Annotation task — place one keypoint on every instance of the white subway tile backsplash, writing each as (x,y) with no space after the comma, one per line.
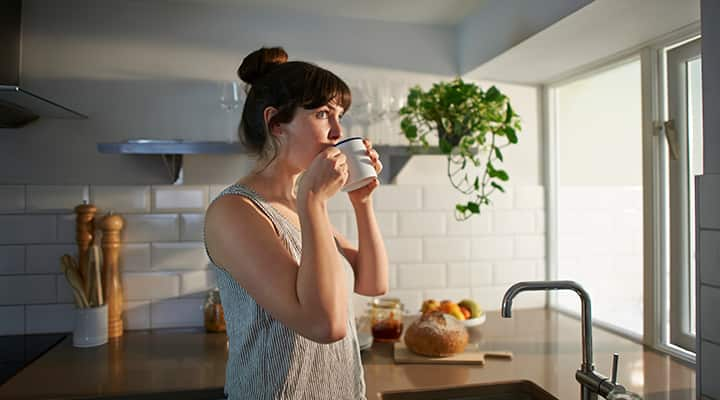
(421,223)
(120,199)
(508,272)
(24,229)
(13,320)
(709,257)
(530,246)
(55,198)
(710,317)
(338,219)
(403,250)
(49,318)
(191,227)
(411,299)
(515,221)
(180,255)
(134,257)
(136,315)
(179,198)
(489,298)
(491,248)
(502,201)
(12,198)
(12,260)
(45,259)
(27,289)
(176,313)
(66,231)
(149,286)
(441,197)
(387,221)
(481,224)
(215,191)
(151,228)
(341,202)
(398,198)
(530,197)
(455,295)
(469,274)
(392,276)
(420,276)
(64,291)
(197,282)
(444,250)
(708,191)
(463,227)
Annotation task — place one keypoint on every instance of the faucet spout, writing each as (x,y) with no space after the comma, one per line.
(586,316)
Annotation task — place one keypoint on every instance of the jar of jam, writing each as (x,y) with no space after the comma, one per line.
(213,312)
(386,319)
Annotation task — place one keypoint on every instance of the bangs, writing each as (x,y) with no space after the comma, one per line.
(322,87)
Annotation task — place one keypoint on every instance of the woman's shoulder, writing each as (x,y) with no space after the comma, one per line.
(232,208)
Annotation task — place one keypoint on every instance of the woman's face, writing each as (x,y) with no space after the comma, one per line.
(310,132)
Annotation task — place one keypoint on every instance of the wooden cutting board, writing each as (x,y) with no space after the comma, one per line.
(470,356)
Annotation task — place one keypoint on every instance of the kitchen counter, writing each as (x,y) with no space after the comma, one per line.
(546,347)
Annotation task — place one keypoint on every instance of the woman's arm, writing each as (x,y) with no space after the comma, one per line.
(369,260)
(311,297)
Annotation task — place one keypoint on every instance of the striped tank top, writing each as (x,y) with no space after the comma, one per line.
(268,360)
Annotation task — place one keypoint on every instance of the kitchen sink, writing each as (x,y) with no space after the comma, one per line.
(205,394)
(514,390)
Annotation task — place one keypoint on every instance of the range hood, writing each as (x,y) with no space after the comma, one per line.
(18,106)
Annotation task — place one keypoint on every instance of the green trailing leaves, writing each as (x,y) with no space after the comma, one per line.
(471,125)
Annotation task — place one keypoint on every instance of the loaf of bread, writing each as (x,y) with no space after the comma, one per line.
(436,334)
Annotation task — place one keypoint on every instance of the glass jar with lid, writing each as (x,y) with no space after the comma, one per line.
(213,312)
(386,319)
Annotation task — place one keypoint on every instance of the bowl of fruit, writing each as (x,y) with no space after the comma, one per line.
(466,310)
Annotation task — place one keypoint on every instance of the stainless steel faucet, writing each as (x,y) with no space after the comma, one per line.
(592,383)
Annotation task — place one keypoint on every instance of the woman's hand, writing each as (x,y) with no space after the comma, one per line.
(325,176)
(362,195)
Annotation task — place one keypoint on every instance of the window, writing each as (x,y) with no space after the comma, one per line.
(598,192)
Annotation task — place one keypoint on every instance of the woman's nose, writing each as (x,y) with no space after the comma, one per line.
(336,130)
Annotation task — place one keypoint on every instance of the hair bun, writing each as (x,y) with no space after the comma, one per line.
(260,62)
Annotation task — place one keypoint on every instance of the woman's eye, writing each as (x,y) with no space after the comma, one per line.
(322,114)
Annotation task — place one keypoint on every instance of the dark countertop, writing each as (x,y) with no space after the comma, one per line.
(546,346)
(18,351)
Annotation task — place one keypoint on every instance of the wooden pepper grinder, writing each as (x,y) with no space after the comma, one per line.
(111,226)
(84,235)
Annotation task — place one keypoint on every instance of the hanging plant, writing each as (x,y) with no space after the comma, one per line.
(472,127)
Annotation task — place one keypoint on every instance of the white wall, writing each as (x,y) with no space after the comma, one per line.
(150,69)
(708,198)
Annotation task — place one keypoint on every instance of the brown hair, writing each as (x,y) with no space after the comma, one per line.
(275,82)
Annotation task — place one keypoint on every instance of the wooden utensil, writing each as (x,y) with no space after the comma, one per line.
(403,355)
(73,278)
(98,278)
(84,232)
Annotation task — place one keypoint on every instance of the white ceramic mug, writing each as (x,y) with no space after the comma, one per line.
(360,167)
(91,326)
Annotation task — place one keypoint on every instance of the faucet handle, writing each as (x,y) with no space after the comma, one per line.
(616,357)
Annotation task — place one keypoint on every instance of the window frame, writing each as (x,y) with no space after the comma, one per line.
(655,255)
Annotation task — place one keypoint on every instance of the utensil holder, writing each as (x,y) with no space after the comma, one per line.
(91,326)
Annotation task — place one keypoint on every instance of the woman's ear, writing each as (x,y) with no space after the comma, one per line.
(268,113)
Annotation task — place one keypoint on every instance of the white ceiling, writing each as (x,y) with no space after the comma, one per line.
(436,12)
(601,30)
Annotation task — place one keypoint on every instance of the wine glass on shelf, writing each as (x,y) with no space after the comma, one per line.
(230,96)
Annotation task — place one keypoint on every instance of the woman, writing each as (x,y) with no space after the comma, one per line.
(285,291)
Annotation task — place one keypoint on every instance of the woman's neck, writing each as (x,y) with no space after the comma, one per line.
(275,182)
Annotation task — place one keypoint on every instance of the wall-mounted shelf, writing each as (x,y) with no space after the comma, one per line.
(393,157)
